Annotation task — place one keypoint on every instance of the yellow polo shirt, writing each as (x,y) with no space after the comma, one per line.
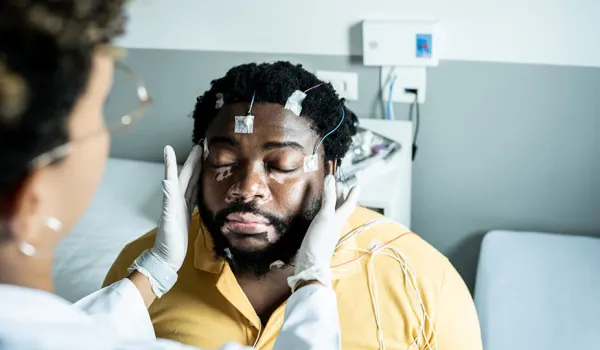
(207,307)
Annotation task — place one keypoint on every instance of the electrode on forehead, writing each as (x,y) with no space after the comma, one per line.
(244,124)
(294,102)
(311,163)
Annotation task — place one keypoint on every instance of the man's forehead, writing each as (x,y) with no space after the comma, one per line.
(270,121)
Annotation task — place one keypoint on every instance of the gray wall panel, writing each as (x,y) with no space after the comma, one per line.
(501,146)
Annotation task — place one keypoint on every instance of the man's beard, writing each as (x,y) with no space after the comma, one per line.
(289,236)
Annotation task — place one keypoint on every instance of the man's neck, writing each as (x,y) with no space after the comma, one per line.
(276,275)
(266,293)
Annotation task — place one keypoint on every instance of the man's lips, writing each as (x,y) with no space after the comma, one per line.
(246,223)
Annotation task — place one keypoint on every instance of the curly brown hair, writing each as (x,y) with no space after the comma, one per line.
(46,51)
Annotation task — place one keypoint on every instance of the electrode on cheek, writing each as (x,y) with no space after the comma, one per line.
(204,149)
(294,102)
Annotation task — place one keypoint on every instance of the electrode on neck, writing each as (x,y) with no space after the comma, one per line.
(294,102)
(277,265)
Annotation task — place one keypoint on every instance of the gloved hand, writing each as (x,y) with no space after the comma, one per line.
(313,262)
(161,263)
(179,199)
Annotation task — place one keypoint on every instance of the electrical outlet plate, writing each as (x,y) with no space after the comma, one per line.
(406,78)
(344,83)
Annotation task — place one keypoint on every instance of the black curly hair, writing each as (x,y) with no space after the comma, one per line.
(274,83)
(46,52)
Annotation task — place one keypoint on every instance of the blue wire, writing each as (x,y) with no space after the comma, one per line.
(391,98)
(331,132)
(252,103)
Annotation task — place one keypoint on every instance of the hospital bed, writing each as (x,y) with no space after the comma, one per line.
(126,205)
(538,291)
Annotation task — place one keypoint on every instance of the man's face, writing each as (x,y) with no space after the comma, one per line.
(256,200)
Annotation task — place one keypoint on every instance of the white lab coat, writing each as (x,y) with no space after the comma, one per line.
(115,317)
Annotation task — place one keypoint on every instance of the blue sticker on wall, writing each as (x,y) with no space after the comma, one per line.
(424,43)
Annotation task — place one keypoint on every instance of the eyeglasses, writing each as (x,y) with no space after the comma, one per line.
(123,124)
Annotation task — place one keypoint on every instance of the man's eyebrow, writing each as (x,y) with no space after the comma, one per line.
(221,140)
(288,144)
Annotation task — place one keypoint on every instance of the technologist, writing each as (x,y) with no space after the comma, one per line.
(55,74)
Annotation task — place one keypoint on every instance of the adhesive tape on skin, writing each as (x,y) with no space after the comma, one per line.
(204,149)
(311,163)
(244,124)
(220,101)
(277,265)
(294,102)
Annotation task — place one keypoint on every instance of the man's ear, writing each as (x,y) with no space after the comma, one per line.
(332,167)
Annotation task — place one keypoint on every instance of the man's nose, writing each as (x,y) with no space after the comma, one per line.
(251,185)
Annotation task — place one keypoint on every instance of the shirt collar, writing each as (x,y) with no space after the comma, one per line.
(344,259)
(204,256)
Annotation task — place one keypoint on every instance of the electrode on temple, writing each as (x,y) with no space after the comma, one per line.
(311,163)
(294,102)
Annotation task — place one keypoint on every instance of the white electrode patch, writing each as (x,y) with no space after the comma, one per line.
(311,163)
(244,124)
(294,102)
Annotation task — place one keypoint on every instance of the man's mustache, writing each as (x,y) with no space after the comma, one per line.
(221,216)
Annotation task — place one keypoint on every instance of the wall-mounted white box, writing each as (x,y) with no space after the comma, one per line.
(400,43)
(344,83)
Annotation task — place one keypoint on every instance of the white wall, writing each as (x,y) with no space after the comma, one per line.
(560,32)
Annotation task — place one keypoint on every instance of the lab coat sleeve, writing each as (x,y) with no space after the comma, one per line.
(120,309)
(311,320)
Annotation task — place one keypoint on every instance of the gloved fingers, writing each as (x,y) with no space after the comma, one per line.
(348,205)
(329,196)
(170,164)
(191,194)
(168,213)
(191,168)
(341,192)
(170,192)
(191,191)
